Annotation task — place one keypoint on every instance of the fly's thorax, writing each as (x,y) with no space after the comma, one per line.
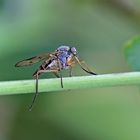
(69,57)
(63,48)
(62,57)
(65,55)
(71,60)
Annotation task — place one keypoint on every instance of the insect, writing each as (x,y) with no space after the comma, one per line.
(64,57)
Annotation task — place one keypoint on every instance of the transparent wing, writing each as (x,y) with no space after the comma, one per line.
(34,59)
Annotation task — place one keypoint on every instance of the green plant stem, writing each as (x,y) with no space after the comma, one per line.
(82,82)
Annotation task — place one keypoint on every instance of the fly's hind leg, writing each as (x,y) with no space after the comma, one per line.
(70,71)
(36,93)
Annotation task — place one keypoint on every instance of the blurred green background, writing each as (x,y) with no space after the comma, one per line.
(98,29)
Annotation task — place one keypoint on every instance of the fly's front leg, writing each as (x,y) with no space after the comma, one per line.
(36,93)
(85,68)
(89,70)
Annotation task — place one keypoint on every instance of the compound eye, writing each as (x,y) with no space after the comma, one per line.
(73,50)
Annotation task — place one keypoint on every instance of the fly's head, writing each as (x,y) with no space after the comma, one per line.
(73,51)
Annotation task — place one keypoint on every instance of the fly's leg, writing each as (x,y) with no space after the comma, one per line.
(70,72)
(36,93)
(85,68)
(59,65)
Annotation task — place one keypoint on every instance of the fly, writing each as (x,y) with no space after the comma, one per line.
(64,57)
